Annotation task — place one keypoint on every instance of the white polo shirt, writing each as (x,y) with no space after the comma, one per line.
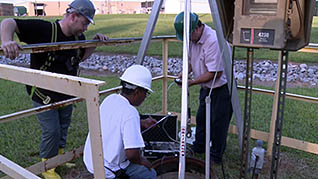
(206,56)
(120,125)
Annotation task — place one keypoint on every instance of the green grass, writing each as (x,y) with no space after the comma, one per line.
(124,25)
(19,139)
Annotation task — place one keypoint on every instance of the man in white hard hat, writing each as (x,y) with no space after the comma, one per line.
(55,122)
(120,125)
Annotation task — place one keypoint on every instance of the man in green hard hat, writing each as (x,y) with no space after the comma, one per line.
(205,62)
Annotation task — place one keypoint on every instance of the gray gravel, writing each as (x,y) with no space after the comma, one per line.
(264,70)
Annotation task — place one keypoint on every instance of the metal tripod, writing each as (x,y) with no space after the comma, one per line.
(225,55)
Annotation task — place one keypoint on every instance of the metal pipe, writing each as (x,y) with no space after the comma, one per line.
(184,98)
(66,45)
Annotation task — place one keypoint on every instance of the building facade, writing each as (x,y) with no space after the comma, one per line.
(6,9)
(58,7)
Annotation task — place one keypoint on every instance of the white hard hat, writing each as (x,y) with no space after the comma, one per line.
(138,75)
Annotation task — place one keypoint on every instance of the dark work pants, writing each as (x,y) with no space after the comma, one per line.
(221,113)
(54,124)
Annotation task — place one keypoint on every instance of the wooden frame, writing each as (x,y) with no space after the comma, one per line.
(75,86)
(14,170)
(88,89)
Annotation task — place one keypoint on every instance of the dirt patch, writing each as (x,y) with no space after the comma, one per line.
(77,174)
(288,166)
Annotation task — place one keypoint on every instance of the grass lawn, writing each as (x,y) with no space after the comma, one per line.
(19,139)
(123,25)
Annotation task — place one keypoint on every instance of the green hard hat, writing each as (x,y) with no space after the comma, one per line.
(85,8)
(178,24)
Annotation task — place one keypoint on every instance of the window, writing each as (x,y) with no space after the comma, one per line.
(261,7)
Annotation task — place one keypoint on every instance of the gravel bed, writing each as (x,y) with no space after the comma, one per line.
(263,70)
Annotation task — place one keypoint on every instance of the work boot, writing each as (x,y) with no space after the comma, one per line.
(67,164)
(50,174)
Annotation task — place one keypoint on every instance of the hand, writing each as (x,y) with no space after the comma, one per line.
(178,81)
(11,49)
(147,122)
(190,82)
(100,37)
(90,50)
(145,162)
(180,75)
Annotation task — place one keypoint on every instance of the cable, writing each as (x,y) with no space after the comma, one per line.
(153,125)
(210,92)
(172,83)
(256,160)
(300,14)
(301,18)
(223,172)
(165,131)
(164,123)
(232,71)
(214,78)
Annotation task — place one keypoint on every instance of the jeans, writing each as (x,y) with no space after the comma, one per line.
(54,124)
(135,171)
(221,113)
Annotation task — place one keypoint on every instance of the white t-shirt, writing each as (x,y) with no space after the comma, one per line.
(120,125)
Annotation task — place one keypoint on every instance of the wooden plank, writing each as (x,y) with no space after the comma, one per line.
(76,86)
(95,133)
(46,47)
(165,74)
(286,141)
(41,167)
(33,111)
(300,145)
(255,134)
(71,85)
(270,140)
(308,50)
(14,170)
(157,78)
(311,48)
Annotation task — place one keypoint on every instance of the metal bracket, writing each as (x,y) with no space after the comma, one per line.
(280,113)
(247,113)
